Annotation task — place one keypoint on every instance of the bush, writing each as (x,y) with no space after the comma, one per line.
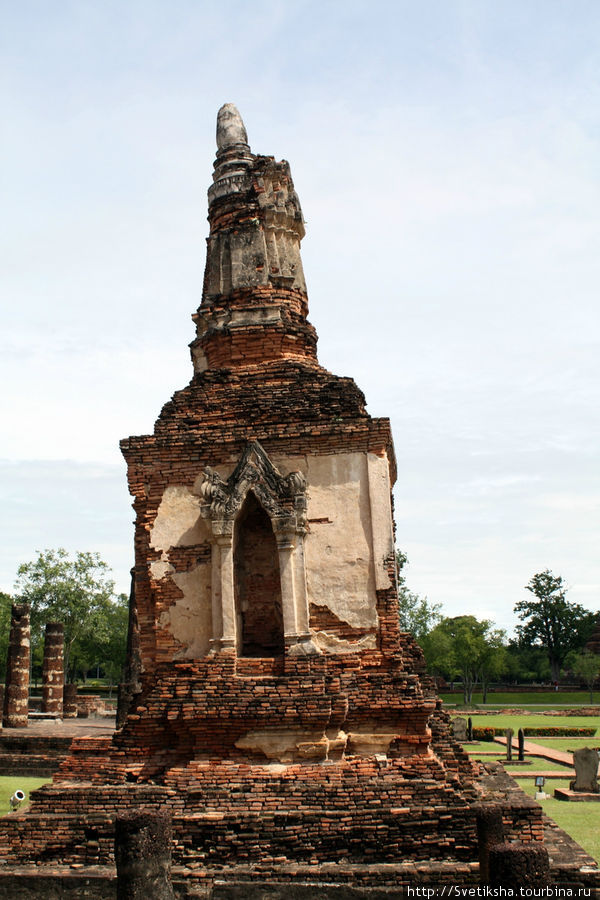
(488,733)
(557,731)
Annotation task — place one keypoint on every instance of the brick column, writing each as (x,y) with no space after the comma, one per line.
(53,676)
(70,701)
(143,855)
(16,696)
(490,832)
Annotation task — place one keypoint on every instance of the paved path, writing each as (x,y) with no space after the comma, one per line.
(84,727)
(563,757)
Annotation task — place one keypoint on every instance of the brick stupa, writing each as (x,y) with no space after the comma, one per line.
(274,705)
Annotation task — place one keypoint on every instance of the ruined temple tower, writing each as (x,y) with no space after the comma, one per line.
(264,525)
(273,705)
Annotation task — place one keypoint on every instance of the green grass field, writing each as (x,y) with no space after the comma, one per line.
(11,783)
(549,699)
(516,722)
(538,763)
(580,820)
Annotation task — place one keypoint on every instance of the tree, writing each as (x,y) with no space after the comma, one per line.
(493,658)
(551,621)
(467,647)
(416,613)
(108,650)
(585,665)
(526,664)
(77,592)
(5,614)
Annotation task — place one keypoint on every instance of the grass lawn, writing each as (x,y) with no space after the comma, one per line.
(580,820)
(564,743)
(11,783)
(538,764)
(520,698)
(516,722)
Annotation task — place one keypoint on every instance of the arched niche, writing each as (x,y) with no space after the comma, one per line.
(257,500)
(257,582)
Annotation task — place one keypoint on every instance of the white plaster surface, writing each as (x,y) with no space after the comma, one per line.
(288,744)
(160,567)
(381,514)
(340,560)
(189,620)
(332,644)
(178,521)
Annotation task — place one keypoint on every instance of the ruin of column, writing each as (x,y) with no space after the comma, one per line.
(16,694)
(53,677)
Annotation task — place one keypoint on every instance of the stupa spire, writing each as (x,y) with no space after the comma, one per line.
(230,127)
(254,302)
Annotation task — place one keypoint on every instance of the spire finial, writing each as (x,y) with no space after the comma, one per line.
(230,127)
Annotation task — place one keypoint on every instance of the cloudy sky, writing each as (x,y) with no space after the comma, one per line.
(446,154)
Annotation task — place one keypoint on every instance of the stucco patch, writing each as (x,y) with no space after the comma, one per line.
(178,521)
(340,565)
(381,513)
(190,620)
(160,567)
(289,744)
(332,644)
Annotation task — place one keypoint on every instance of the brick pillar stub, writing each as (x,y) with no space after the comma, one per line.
(490,833)
(53,675)
(16,695)
(519,865)
(143,855)
(70,701)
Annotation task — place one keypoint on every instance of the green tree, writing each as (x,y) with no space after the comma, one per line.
(493,658)
(5,612)
(551,621)
(526,664)
(77,592)
(466,647)
(107,651)
(437,646)
(417,614)
(586,665)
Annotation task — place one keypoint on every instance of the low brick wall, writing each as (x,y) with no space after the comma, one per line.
(37,756)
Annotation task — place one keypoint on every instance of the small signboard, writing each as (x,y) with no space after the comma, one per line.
(540,781)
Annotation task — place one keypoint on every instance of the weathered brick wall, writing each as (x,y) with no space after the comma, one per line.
(203,708)
(360,811)
(25,755)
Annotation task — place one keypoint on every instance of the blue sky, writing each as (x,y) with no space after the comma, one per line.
(446,156)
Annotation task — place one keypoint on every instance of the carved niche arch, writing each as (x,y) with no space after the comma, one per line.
(284,499)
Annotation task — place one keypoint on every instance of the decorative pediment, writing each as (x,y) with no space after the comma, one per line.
(282,496)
